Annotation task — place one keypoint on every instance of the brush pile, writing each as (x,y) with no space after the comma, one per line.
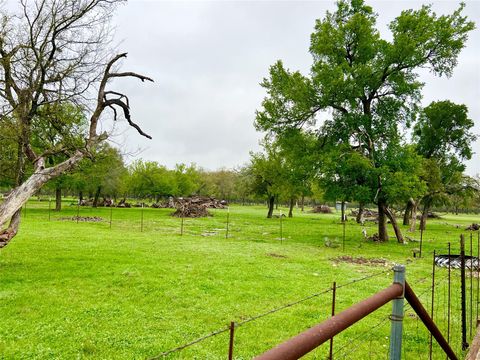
(322,209)
(473,227)
(197,206)
(367,213)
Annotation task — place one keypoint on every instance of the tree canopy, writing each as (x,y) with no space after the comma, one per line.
(367,86)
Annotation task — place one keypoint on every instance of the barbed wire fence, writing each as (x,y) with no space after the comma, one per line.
(238,324)
(455,315)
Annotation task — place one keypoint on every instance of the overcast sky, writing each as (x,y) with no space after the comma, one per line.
(208,58)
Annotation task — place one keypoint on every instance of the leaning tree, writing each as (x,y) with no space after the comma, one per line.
(367,86)
(53,52)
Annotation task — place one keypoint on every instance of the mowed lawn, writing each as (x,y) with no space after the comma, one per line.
(84,290)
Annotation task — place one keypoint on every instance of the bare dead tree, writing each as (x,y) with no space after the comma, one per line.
(52,52)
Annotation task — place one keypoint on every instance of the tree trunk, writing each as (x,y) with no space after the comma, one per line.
(80,197)
(408,211)
(10,232)
(20,194)
(343,211)
(303,203)
(271,204)
(290,211)
(396,228)
(413,224)
(58,198)
(361,209)
(382,222)
(423,219)
(276,202)
(97,195)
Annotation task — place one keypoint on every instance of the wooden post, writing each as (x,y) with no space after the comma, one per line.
(228,219)
(421,241)
(111,215)
(181,227)
(281,229)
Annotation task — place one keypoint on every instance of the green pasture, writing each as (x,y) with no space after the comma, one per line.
(73,290)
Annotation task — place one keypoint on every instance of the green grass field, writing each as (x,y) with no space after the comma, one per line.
(82,290)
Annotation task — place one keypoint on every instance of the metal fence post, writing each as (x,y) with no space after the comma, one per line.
(463,297)
(334,295)
(397,315)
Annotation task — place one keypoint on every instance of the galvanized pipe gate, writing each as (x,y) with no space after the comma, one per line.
(310,339)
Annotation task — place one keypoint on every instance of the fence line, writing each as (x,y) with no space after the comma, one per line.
(272,311)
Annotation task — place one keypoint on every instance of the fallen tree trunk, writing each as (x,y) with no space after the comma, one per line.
(10,209)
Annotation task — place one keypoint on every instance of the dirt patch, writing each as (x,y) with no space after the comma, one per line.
(82,218)
(362,261)
(277,255)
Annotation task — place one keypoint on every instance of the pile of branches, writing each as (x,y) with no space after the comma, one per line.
(473,227)
(197,206)
(82,218)
(367,213)
(322,209)
(102,203)
(124,204)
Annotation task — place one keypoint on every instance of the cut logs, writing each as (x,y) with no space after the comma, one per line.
(473,227)
(322,209)
(197,206)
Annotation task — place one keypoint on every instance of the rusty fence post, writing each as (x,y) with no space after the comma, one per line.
(427,321)
(449,305)
(397,315)
(478,277)
(463,297)
(334,294)
(433,307)
(471,284)
(230,345)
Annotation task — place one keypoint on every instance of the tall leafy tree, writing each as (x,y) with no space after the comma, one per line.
(369,84)
(150,179)
(267,169)
(299,154)
(444,137)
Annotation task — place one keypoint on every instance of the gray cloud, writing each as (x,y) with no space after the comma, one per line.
(208,59)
